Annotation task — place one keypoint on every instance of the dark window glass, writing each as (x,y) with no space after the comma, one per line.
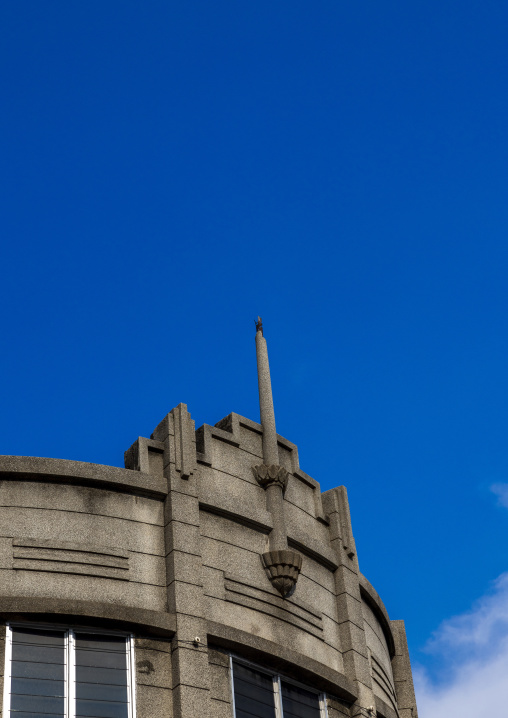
(100,643)
(101,709)
(35,687)
(100,692)
(101,676)
(254,696)
(299,703)
(110,676)
(27,669)
(37,704)
(38,673)
(38,636)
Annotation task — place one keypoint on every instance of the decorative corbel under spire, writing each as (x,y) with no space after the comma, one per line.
(281,563)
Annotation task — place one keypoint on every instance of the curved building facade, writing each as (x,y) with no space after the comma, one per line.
(210,578)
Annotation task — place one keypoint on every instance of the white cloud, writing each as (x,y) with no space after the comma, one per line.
(501,491)
(473,650)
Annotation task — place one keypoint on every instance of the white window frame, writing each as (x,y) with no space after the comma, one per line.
(69,633)
(277,679)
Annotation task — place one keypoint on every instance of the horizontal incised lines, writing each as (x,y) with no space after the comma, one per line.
(316,582)
(380,676)
(288,610)
(68,557)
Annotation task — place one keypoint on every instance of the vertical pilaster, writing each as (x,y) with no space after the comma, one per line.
(401,667)
(190,674)
(349,604)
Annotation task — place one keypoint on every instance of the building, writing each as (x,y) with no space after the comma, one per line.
(210,578)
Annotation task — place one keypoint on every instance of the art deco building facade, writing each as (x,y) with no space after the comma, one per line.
(210,578)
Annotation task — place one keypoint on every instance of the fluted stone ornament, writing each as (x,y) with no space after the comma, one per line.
(273,474)
(283,568)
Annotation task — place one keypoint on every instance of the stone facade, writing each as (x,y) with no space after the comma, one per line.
(171,548)
(175,549)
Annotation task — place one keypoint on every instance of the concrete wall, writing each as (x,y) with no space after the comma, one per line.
(153,677)
(380,659)
(79,542)
(170,548)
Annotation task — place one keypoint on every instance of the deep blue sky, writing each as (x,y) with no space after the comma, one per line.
(171,170)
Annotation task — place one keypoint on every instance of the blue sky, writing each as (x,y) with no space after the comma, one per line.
(172,170)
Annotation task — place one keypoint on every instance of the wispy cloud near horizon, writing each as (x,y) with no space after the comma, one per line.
(471,650)
(501,491)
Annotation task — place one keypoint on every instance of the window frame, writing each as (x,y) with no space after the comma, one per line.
(69,633)
(277,679)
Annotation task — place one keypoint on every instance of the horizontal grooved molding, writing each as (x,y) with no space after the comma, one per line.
(68,557)
(381,677)
(291,611)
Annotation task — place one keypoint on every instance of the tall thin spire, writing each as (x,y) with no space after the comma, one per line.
(281,563)
(270,450)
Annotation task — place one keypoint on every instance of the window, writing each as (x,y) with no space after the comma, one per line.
(259,694)
(59,673)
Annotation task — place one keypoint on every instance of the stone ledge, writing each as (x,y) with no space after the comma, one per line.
(291,663)
(234,510)
(32,468)
(372,599)
(316,550)
(89,612)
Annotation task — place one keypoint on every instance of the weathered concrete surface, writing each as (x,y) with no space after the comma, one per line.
(171,549)
(402,673)
(79,472)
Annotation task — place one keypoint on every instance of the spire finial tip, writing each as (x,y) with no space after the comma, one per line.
(259,325)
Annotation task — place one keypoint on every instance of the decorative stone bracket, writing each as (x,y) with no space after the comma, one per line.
(283,568)
(282,565)
(268,475)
